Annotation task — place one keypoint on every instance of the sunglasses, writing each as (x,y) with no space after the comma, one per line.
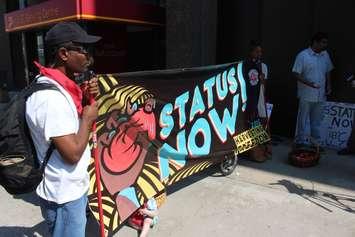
(77,48)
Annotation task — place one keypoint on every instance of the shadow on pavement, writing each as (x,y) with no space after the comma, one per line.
(41,230)
(211,171)
(28,197)
(320,198)
(334,170)
(93,228)
(15,231)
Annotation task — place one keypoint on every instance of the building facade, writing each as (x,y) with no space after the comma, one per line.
(211,31)
(132,34)
(176,34)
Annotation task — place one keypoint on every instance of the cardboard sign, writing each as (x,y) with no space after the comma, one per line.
(337,124)
(250,139)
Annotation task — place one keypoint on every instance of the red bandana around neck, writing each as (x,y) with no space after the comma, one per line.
(70,86)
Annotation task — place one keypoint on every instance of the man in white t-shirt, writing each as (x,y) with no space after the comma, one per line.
(57,117)
(312,69)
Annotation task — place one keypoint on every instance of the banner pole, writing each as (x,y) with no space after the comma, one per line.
(95,153)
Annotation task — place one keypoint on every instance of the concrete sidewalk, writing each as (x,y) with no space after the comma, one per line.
(267,199)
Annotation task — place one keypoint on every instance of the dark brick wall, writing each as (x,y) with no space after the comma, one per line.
(191,33)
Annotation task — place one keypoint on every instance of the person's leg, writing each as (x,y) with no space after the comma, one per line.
(146,226)
(74,217)
(68,219)
(316,116)
(302,120)
(49,213)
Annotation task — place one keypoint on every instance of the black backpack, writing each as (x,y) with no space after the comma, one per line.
(20,171)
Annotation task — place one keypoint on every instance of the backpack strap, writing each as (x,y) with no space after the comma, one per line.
(44,164)
(32,88)
(48,155)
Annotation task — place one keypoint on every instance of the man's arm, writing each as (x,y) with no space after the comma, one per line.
(71,147)
(302,80)
(297,70)
(262,79)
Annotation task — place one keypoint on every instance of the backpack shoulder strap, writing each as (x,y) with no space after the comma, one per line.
(48,155)
(32,88)
(35,86)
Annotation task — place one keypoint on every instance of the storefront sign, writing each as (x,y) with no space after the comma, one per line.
(41,14)
(53,11)
(157,128)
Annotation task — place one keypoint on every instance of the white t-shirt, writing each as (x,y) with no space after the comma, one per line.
(313,67)
(261,101)
(52,113)
(264,70)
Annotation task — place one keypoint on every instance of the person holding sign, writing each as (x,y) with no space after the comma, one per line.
(350,145)
(254,73)
(58,117)
(312,69)
(350,148)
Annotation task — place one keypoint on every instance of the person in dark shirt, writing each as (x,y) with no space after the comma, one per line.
(254,78)
(349,78)
(252,72)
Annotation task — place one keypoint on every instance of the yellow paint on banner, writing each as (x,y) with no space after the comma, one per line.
(250,139)
(112,79)
(148,189)
(104,83)
(154,179)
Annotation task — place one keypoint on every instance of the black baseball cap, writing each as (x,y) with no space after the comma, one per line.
(64,32)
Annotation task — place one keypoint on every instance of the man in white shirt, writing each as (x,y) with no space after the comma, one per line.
(58,117)
(312,69)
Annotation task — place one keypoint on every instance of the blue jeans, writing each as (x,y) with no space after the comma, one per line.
(309,117)
(67,219)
